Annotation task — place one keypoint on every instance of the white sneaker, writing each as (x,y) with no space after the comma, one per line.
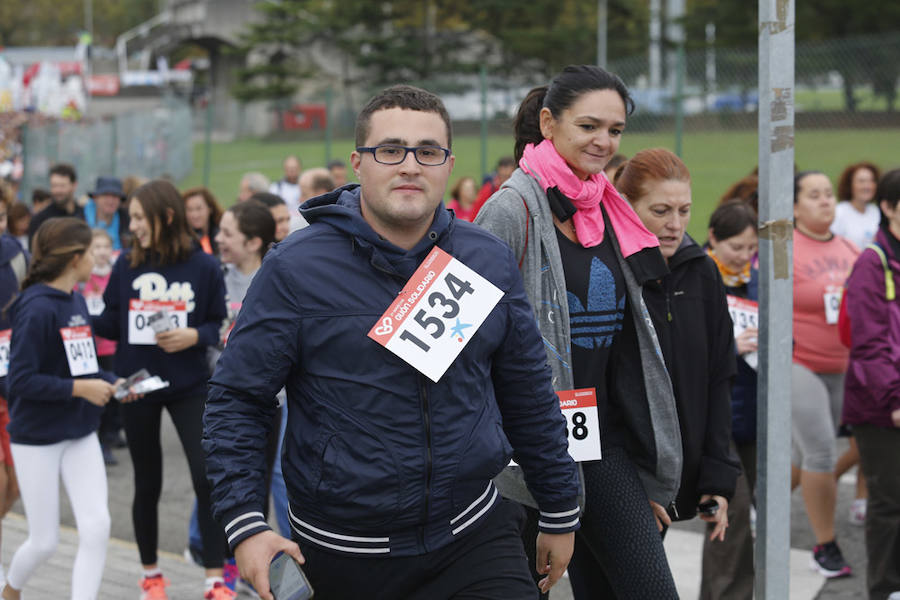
(857,515)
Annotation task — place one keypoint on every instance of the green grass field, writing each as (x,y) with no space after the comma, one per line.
(714,159)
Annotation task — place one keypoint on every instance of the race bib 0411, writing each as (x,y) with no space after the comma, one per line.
(439,310)
(80,350)
(5,337)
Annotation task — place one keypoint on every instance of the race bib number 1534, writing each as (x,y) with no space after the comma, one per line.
(439,310)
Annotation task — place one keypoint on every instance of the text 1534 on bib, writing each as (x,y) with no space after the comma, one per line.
(579,407)
(439,310)
(143,313)
(5,337)
(80,350)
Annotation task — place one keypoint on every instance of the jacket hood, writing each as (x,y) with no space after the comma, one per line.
(340,209)
(688,250)
(38,290)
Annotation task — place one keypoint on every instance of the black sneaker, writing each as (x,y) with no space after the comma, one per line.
(828,560)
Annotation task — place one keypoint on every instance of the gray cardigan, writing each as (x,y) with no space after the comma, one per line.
(532,236)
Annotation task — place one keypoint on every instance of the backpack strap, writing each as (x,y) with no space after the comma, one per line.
(889,292)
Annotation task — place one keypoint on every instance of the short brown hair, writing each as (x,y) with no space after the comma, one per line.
(172,242)
(845,182)
(655,164)
(401,96)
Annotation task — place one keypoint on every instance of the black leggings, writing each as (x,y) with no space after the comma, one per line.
(142,428)
(618,550)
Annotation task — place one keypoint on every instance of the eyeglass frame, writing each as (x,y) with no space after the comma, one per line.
(406,150)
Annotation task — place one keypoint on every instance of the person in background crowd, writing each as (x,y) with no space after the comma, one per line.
(131,183)
(104,210)
(40,199)
(202,211)
(584,255)
(13,267)
(822,261)
(462,198)
(62,191)
(246,232)
(252,183)
(338,171)
(17,219)
(6,201)
(288,187)
(427,480)
(728,564)
(110,421)
(313,182)
(613,165)
(857,215)
(56,392)
(745,189)
(279,212)
(505,166)
(690,315)
(166,269)
(872,388)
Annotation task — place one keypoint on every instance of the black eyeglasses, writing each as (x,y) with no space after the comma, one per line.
(393,154)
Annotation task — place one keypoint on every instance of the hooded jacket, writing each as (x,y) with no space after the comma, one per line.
(520,214)
(13,266)
(379,460)
(872,385)
(41,406)
(743,392)
(690,314)
(198,281)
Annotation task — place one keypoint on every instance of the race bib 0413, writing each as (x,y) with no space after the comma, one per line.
(141,315)
(439,310)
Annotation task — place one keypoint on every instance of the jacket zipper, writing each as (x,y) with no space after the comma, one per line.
(428,458)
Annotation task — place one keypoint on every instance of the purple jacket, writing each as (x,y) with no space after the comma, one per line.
(872,386)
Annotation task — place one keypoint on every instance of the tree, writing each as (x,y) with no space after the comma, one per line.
(51,23)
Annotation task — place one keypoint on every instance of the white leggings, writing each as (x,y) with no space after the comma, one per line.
(80,463)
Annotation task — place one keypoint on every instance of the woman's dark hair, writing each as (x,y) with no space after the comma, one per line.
(888,191)
(56,242)
(254,219)
(731,219)
(845,181)
(798,179)
(562,92)
(172,240)
(215,211)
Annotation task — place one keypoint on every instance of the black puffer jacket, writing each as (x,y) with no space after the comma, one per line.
(690,313)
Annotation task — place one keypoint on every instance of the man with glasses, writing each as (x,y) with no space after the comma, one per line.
(414,372)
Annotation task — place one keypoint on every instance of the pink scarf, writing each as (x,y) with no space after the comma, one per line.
(545,164)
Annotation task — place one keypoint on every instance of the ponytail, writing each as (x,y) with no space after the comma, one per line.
(527,124)
(55,244)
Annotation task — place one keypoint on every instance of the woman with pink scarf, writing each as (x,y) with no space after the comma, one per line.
(584,256)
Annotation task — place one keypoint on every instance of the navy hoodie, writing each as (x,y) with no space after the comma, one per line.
(12,271)
(197,281)
(41,406)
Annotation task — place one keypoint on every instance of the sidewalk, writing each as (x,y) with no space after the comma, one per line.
(683,543)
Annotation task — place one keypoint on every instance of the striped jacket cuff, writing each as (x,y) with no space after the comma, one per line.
(559,521)
(241,524)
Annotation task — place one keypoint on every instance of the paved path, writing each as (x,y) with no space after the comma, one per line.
(51,582)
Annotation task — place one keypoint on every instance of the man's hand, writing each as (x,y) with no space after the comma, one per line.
(254,555)
(662,517)
(554,551)
(720,518)
(176,340)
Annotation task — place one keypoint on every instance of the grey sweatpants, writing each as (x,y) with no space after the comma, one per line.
(816,401)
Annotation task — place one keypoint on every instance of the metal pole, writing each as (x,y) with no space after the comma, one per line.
(329,122)
(679,98)
(602,18)
(675,36)
(655,56)
(776,164)
(484,120)
(207,140)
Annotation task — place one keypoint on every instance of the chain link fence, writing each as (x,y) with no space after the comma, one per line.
(151,143)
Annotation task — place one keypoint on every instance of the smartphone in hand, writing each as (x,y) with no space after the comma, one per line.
(286,579)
